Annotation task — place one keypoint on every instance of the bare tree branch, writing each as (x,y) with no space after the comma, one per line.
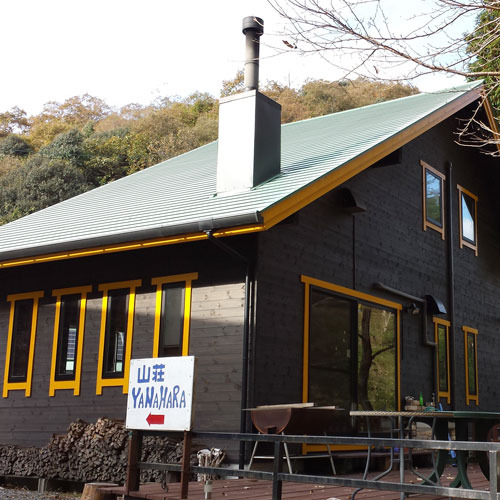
(360,37)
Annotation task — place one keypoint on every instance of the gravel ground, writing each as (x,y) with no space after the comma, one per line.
(22,494)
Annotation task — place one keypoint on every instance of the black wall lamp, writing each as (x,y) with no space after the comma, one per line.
(349,203)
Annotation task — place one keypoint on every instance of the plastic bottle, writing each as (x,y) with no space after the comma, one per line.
(421,400)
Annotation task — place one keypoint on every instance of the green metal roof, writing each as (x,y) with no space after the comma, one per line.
(178,195)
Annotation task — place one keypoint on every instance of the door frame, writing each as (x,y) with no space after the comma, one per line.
(353,294)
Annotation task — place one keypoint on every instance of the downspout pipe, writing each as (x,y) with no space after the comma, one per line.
(427,342)
(246,337)
(451,284)
(413,298)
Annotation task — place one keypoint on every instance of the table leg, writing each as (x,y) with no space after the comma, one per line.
(461,430)
(482,428)
(402,495)
(441,433)
(391,465)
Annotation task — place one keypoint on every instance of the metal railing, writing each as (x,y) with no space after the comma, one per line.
(277,476)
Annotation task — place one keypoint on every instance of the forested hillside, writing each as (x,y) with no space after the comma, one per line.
(82,143)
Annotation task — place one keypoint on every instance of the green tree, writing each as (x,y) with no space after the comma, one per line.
(237,84)
(484,43)
(57,118)
(38,184)
(13,121)
(362,39)
(13,145)
(106,156)
(66,146)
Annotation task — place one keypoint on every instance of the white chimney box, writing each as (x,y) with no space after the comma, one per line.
(249,141)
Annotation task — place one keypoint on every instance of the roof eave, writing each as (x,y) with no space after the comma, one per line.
(306,195)
(235,224)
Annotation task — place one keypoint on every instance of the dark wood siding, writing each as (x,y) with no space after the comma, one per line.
(391,247)
(216,337)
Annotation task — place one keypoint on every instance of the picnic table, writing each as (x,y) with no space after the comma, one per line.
(485,425)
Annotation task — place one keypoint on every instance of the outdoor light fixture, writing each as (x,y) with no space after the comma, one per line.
(413,309)
(434,306)
(349,203)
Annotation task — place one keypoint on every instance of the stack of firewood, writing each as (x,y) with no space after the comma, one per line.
(89,452)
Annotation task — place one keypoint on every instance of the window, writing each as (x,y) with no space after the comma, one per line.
(433,200)
(21,342)
(442,339)
(471,383)
(467,206)
(67,347)
(173,312)
(351,348)
(117,326)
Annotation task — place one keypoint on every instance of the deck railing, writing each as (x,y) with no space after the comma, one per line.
(277,476)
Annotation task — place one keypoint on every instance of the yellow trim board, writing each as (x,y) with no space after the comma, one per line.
(463,241)
(126,246)
(350,292)
(159,282)
(470,397)
(341,174)
(119,381)
(426,222)
(75,383)
(282,209)
(446,324)
(492,121)
(308,281)
(26,385)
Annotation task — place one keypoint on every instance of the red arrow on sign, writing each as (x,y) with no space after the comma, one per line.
(155,419)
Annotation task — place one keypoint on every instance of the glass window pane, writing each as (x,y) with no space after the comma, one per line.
(433,198)
(330,320)
(172,319)
(21,337)
(116,330)
(68,337)
(471,361)
(468,218)
(443,359)
(376,358)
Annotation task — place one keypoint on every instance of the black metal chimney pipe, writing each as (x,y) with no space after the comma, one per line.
(253,28)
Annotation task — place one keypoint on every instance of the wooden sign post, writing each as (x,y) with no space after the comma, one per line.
(160,397)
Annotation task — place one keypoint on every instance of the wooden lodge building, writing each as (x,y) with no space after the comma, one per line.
(349,260)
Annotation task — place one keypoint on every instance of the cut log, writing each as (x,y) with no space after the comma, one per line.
(91,492)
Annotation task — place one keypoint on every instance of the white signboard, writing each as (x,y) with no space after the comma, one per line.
(160,394)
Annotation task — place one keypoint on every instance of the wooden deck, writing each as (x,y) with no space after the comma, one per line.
(241,489)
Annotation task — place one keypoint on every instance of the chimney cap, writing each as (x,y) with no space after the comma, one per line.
(253,23)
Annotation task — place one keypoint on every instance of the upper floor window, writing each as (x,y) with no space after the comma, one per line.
(471,381)
(173,312)
(67,347)
(21,342)
(433,198)
(467,205)
(117,325)
(442,339)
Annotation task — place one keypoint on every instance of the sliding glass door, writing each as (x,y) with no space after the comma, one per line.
(351,353)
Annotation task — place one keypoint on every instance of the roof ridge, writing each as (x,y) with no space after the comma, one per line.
(460,88)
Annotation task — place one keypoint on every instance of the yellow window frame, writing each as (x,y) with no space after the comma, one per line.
(159,282)
(17,386)
(123,381)
(442,322)
(468,396)
(75,383)
(442,177)
(308,282)
(463,241)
